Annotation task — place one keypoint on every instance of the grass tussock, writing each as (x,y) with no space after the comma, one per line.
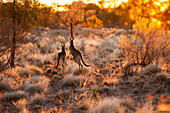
(71,80)
(147,108)
(4,86)
(108,105)
(37,100)
(34,89)
(43,81)
(14,96)
(36,70)
(147,79)
(160,78)
(35,84)
(107,47)
(152,69)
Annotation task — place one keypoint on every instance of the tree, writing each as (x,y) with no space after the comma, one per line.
(16,17)
(14,36)
(151,9)
(73,13)
(111,19)
(102,3)
(45,12)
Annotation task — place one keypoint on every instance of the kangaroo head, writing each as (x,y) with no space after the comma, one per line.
(71,41)
(63,46)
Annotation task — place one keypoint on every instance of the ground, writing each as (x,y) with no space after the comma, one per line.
(36,86)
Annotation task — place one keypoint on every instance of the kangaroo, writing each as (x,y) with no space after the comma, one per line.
(77,56)
(61,55)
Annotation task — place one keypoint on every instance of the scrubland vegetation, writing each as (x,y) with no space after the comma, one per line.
(128,73)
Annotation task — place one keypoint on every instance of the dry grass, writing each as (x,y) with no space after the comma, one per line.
(107,47)
(37,100)
(152,69)
(21,105)
(34,89)
(14,96)
(70,90)
(4,86)
(108,105)
(147,108)
(71,80)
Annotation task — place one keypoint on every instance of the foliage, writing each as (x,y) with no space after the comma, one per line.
(144,47)
(153,10)
(111,19)
(73,13)
(16,17)
(94,22)
(25,14)
(44,15)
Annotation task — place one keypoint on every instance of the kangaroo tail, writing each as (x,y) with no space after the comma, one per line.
(83,61)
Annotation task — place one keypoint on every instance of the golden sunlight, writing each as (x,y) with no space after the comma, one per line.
(63,2)
(60,2)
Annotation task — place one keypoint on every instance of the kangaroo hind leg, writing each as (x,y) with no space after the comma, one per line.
(78,62)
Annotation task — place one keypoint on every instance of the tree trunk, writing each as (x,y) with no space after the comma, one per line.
(14,37)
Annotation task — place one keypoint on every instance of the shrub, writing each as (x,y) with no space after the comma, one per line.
(94,22)
(144,47)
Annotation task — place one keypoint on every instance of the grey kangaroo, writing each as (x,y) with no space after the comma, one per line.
(61,55)
(77,56)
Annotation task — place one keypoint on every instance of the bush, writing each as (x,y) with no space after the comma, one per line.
(94,22)
(144,47)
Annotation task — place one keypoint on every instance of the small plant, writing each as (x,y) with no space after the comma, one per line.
(94,91)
